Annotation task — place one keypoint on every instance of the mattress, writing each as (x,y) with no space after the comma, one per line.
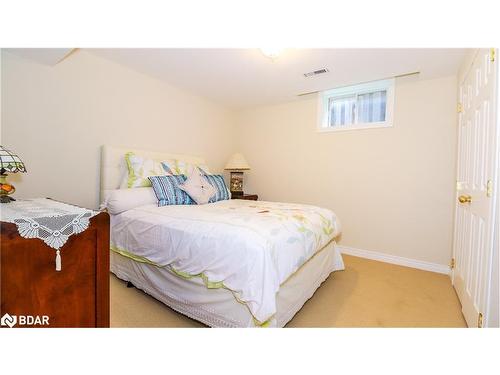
(218,307)
(247,248)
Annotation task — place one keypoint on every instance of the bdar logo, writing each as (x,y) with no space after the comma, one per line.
(24,320)
(8,320)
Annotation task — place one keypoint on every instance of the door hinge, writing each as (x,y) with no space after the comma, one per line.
(480,320)
(489,188)
(452,263)
(460,108)
(492,55)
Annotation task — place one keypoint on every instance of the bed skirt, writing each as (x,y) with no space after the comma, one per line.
(218,307)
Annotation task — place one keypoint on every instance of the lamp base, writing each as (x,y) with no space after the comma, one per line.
(6,199)
(5,189)
(236,183)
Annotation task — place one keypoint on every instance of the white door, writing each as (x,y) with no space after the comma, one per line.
(473,242)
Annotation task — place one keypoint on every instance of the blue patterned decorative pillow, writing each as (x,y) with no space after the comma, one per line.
(167,190)
(217,181)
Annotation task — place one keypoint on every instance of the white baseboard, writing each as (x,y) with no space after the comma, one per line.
(394,259)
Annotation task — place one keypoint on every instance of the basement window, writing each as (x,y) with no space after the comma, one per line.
(363,106)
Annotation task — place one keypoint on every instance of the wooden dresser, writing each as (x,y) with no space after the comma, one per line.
(76,296)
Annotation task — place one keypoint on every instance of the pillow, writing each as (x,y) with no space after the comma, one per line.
(167,190)
(181,167)
(198,188)
(122,200)
(217,181)
(139,169)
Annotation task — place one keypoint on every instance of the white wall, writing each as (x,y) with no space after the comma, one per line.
(56,118)
(392,188)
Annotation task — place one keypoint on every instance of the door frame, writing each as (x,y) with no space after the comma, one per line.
(492,303)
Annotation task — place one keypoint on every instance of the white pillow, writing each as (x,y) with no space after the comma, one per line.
(198,187)
(139,169)
(181,167)
(122,200)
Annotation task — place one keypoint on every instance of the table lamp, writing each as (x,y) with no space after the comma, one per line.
(11,163)
(237,164)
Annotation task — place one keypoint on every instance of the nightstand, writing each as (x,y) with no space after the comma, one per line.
(248,197)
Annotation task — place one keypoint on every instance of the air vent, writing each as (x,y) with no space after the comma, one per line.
(316,72)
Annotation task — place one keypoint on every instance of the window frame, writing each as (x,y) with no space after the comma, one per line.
(359,89)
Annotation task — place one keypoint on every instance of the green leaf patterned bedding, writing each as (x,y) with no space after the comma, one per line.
(249,247)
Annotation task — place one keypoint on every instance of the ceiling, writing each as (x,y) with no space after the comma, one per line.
(245,78)
(46,56)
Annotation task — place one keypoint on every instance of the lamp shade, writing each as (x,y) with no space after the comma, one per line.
(10,162)
(237,162)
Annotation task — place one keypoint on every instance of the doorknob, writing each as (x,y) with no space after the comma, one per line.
(465,199)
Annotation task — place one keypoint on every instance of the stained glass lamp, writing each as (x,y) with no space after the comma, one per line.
(9,163)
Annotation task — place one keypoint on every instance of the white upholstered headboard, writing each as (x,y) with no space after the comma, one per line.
(113,166)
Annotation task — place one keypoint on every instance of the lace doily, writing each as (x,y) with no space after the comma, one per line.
(51,221)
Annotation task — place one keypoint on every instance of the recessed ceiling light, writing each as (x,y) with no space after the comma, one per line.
(272,52)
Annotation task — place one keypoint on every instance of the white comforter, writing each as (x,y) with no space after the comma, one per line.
(251,247)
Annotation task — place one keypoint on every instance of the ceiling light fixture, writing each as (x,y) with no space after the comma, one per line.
(272,53)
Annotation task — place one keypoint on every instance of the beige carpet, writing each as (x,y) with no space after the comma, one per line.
(366,294)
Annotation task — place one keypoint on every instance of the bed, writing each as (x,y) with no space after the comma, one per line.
(232,263)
